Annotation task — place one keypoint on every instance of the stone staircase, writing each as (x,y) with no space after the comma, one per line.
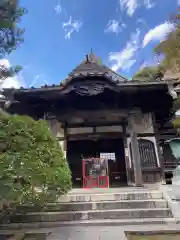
(106,208)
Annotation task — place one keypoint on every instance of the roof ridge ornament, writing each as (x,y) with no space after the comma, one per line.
(92,58)
(87,58)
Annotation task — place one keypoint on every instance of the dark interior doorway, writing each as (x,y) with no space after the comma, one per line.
(77,150)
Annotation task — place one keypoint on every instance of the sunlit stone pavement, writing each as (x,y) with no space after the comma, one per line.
(104,233)
(96,232)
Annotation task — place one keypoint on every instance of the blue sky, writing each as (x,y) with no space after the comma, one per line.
(59,33)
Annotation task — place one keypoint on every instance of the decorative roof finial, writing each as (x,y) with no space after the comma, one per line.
(91,57)
(87,58)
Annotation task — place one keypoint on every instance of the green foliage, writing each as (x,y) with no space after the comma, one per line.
(8,72)
(176,122)
(10,34)
(150,73)
(32,166)
(170,48)
(176,104)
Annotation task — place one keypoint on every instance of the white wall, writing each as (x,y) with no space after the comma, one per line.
(63,147)
(58,132)
(79,130)
(106,129)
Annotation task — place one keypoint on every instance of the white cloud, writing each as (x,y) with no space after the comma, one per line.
(125,58)
(149,4)
(141,21)
(58,8)
(178,2)
(5,63)
(131,5)
(114,26)
(71,26)
(10,82)
(158,33)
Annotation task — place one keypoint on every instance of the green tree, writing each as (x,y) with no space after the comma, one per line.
(149,73)
(10,34)
(8,72)
(32,166)
(170,48)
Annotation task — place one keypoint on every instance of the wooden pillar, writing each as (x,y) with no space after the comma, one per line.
(159,146)
(135,151)
(161,160)
(129,182)
(65,140)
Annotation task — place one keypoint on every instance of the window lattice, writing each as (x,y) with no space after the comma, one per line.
(147,153)
(108,156)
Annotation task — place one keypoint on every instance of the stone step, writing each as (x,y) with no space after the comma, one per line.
(145,188)
(104,222)
(103,205)
(91,215)
(139,195)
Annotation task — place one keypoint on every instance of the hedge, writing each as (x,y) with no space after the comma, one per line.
(32,166)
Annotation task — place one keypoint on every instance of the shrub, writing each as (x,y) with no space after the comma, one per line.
(32,166)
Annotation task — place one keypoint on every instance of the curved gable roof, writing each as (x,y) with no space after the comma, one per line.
(92,67)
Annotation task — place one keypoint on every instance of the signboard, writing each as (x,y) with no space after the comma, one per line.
(95,173)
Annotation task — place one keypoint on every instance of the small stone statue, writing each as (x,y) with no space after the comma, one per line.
(174,188)
(176,176)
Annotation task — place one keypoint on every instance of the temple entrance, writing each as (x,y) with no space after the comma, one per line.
(111,150)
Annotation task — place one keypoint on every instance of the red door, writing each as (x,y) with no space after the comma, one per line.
(95,173)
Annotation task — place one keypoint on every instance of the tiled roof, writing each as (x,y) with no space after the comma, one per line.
(61,86)
(92,67)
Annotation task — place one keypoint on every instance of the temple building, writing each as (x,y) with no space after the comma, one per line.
(108,126)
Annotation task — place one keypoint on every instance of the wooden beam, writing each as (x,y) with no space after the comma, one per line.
(92,136)
(99,124)
(92,114)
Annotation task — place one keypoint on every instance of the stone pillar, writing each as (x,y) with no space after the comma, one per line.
(135,151)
